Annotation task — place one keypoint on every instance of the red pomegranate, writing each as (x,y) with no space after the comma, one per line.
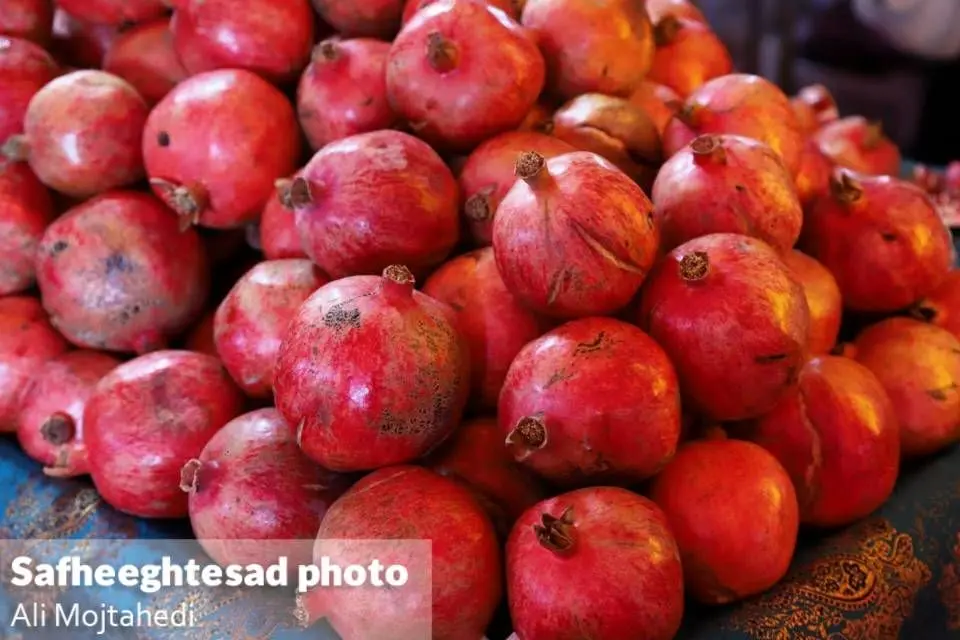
(574,236)
(372,200)
(461,72)
(538,119)
(27,19)
(688,54)
(50,420)
(114,12)
(278,227)
(740,104)
(727,184)
(881,238)
(116,274)
(489,172)
(511,7)
(576,410)
(26,209)
(200,338)
(657,101)
(146,419)
(718,286)
(210,153)
(372,372)
(371,18)
(919,366)
(823,300)
(952,176)
(24,69)
(659,9)
(814,107)
(859,145)
(343,91)
(941,306)
(80,44)
(27,340)
(813,176)
(591,47)
(144,57)
(598,563)
(733,510)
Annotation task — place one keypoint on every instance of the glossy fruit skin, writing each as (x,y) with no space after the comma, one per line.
(80,44)
(814,106)
(599,419)
(688,54)
(919,366)
(377,199)
(591,47)
(733,510)
(867,231)
(941,307)
(27,340)
(28,19)
(50,412)
(655,99)
(622,576)
(679,8)
(718,286)
(24,69)
(394,354)
(813,176)
(461,72)
(126,244)
(510,7)
(146,419)
(600,243)
(209,137)
(113,12)
(370,19)
(252,319)
(489,174)
(279,238)
(823,300)
(144,57)
(25,211)
(494,324)
(727,184)
(856,144)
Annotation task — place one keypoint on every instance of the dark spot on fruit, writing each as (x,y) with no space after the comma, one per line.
(941,394)
(58,247)
(650,222)
(163,139)
(888,236)
(118,262)
(367,102)
(338,318)
(558,376)
(740,188)
(596,344)
(605,71)
(775,357)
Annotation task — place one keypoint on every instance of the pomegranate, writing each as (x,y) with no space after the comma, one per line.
(371,18)
(725,285)
(27,340)
(598,563)
(116,274)
(727,184)
(539,119)
(114,12)
(372,372)
(146,419)
(814,107)
(859,145)
(254,496)
(493,323)
(837,437)
(739,104)
(28,19)
(343,91)
(734,512)
(453,592)
(200,338)
(941,306)
(144,57)
(374,199)
(461,72)
(50,422)
(25,210)
(919,366)
(574,236)
(952,176)
(881,238)
(210,152)
(813,176)
(510,7)
(252,319)
(688,54)
(657,100)
(489,173)
(24,69)
(823,300)
(80,44)
(615,129)
(659,9)
(576,410)
(278,228)
(591,47)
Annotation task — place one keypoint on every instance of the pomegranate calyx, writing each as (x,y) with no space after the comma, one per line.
(441,53)
(691,115)
(708,148)
(529,165)
(299,194)
(327,51)
(527,437)
(666,31)
(398,282)
(477,207)
(188,201)
(694,266)
(59,428)
(923,312)
(845,188)
(873,135)
(15,148)
(189,476)
(556,534)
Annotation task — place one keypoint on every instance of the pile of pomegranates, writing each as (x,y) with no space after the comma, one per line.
(464,271)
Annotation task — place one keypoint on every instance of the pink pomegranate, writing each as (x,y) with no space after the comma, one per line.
(814,107)
(823,300)
(254,496)
(146,419)
(919,366)
(116,274)
(493,323)
(252,320)
(461,72)
(200,338)
(372,372)
(739,104)
(941,307)
(599,563)
(813,176)
(576,410)
(489,173)
(727,184)
(278,227)
(50,421)
(718,286)
(210,153)
(511,7)
(574,236)
(657,101)
(27,340)
(659,9)
(114,12)
(25,211)
(591,47)
(24,69)
(859,145)
(837,437)
(343,91)
(952,176)
(688,54)
(144,57)
(734,512)
(80,44)
(881,238)
(372,200)
(371,18)
(28,19)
